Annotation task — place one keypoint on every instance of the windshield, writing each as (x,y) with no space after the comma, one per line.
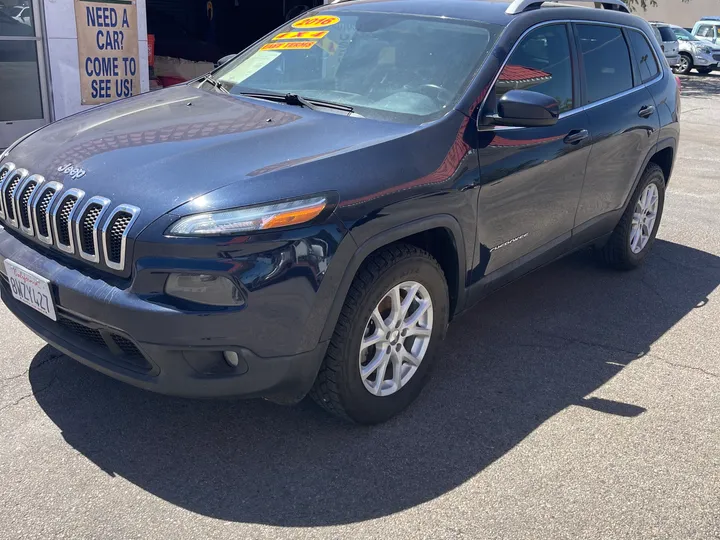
(683,35)
(389,66)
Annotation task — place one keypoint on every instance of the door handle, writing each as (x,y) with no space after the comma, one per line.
(646,112)
(576,135)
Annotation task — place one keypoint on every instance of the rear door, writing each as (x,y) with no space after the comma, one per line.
(623,118)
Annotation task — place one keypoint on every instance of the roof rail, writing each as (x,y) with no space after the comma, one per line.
(710,19)
(521,6)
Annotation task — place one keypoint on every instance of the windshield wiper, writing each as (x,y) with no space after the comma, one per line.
(300,101)
(217,84)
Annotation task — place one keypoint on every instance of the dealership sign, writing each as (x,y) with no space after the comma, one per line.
(107,49)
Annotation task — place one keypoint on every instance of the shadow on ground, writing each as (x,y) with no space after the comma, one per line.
(533,349)
(696,85)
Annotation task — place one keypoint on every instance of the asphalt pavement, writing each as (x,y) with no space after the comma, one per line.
(576,403)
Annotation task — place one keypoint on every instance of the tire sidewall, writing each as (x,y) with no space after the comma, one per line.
(681,71)
(652,177)
(359,403)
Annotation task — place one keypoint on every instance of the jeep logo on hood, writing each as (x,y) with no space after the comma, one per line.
(73,172)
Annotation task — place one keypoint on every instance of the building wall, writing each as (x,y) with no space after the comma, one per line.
(62,48)
(683,14)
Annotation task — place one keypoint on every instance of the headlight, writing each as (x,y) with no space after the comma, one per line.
(706,50)
(256,218)
(204,289)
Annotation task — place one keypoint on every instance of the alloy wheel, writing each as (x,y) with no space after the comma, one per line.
(396,338)
(644,218)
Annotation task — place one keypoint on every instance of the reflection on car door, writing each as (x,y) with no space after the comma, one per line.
(531,177)
(622,117)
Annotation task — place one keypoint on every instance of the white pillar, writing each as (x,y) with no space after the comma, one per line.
(63,62)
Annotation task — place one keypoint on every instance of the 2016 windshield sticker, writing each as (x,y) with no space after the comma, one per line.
(288,45)
(311,34)
(319,21)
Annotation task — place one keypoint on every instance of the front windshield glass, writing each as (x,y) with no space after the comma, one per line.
(684,35)
(389,66)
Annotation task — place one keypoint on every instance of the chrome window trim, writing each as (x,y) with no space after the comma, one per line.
(39,180)
(78,221)
(587,106)
(134,212)
(22,173)
(58,187)
(10,167)
(70,192)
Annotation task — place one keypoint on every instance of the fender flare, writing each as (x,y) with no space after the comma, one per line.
(669,142)
(385,238)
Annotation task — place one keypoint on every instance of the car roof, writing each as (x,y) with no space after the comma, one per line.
(479,10)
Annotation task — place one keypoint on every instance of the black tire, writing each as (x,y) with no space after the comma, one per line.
(339,388)
(684,67)
(617,252)
(704,70)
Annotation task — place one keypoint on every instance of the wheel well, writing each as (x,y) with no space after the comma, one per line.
(440,243)
(664,160)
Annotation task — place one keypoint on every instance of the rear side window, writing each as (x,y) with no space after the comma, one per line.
(541,63)
(666,33)
(705,31)
(644,57)
(606,59)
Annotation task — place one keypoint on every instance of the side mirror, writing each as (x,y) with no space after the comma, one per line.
(524,108)
(225,60)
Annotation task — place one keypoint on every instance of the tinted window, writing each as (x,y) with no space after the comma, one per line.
(644,58)
(666,33)
(541,63)
(606,59)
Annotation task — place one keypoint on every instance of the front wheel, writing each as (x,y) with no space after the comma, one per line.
(634,236)
(384,344)
(685,65)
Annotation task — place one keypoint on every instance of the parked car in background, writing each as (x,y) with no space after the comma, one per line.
(668,42)
(707,29)
(695,53)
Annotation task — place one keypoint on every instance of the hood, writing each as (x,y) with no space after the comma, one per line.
(158,151)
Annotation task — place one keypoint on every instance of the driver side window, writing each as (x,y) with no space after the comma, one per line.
(541,63)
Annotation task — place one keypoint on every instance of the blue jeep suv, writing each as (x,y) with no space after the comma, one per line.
(308,218)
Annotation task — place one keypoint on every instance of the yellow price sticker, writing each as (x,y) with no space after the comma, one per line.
(308,34)
(288,45)
(318,21)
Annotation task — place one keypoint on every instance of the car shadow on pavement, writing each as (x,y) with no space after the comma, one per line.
(700,86)
(535,348)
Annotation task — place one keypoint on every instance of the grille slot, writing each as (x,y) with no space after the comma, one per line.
(7,193)
(23,204)
(63,220)
(41,210)
(62,217)
(5,170)
(87,228)
(115,233)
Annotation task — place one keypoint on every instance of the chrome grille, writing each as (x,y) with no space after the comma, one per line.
(63,219)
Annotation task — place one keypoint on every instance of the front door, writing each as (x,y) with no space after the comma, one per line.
(531,177)
(23,92)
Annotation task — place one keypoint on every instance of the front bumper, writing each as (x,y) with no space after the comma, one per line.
(107,327)
(705,60)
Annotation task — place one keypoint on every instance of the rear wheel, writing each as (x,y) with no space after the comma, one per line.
(634,236)
(384,344)
(685,65)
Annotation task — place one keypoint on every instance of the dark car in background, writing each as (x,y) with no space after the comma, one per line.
(309,217)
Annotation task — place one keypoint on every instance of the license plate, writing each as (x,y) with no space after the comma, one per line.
(30,289)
